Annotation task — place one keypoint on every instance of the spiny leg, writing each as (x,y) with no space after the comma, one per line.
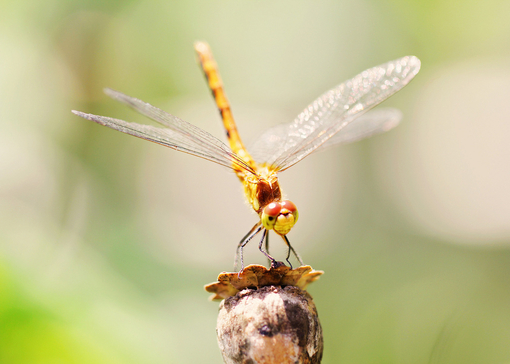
(264,237)
(245,240)
(291,249)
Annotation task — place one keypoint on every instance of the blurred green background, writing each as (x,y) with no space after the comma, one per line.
(106,240)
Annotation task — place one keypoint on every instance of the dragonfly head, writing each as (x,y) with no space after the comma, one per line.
(279,216)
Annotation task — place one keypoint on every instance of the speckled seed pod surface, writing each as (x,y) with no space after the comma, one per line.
(271,324)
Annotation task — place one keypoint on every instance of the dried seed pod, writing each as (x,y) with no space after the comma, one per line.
(267,317)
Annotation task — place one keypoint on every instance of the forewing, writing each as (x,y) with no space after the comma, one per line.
(336,112)
(372,123)
(179,134)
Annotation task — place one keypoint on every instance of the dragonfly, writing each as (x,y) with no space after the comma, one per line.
(338,116)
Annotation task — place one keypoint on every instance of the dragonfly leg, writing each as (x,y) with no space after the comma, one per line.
(264,237)
(267,247)
(293,251)
(287,258)
(245,240)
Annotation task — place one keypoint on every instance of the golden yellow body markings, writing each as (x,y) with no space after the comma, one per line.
(212,75)
(338,116)
(261,187)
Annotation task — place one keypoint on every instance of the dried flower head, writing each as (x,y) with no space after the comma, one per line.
(254,276)
(267,317)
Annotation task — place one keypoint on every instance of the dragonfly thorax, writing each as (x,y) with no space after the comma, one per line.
(279,216)
(261,190)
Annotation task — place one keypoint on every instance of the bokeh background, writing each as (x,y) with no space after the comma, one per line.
(106,240)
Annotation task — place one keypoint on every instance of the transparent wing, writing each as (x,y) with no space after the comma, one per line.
(336,112)
(372,123)
(179,134)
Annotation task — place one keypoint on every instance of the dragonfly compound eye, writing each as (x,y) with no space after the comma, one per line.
(290,207)
(270,214)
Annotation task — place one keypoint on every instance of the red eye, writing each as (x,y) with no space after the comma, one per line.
(273,209)
(288,205)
